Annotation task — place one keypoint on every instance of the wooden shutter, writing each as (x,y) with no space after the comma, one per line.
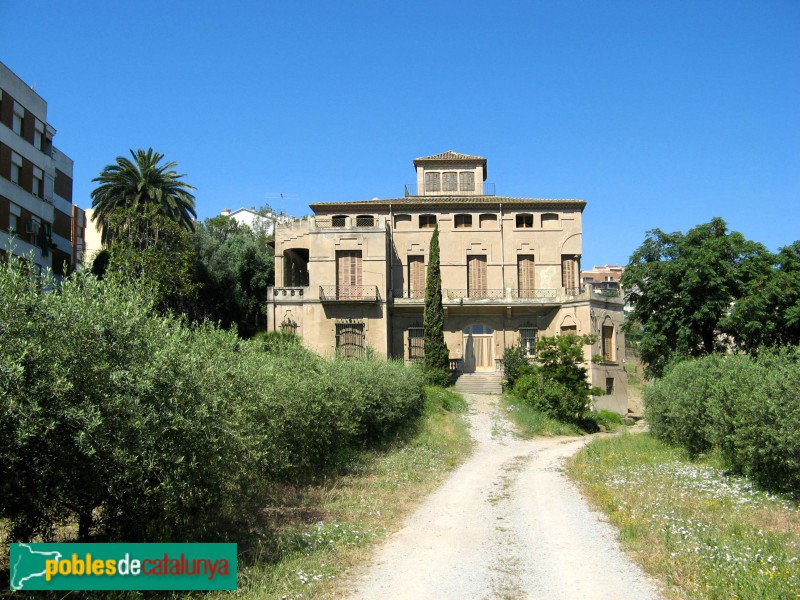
(608,343)
(526,274)
(348,272)
(568,272)
(476,276)
(416,276)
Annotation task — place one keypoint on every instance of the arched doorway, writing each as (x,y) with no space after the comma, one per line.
(478,348)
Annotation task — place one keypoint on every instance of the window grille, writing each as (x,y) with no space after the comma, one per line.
(527,338)
(338,221)
(365,221)
(416,343)
(350,339)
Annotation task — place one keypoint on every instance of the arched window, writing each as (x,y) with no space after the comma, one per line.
(462,221)
(402,221)
(338,221)
(525,221)
(427,221)
(478,329)
(487,221)
(549,221)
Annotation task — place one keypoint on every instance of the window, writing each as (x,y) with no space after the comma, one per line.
(467,179)
(14,213)
(476,276)
(416,343)
(527,338)
(525,221)
(450,181)
(338,221)
(608,343)
(569,330)
(16,167)
(348,273)
(38,134)
(365,221)
(462,221)
(416,276)
(427,221)
(549,221)
(432,182)
(350,338)
(19,115)
(37,184)
(402,221)
(526,276)
(487,221)
(609,386)
(569,274)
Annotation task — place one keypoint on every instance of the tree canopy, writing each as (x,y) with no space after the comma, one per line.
(710,290)
(134,187)
(234,267)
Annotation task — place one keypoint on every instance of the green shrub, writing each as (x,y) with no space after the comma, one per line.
(515,363)
(605,419)
(144,429)
(746,407)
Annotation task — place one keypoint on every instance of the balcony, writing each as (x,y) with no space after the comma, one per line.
(349,293)
(493,296)
(289,294)
(358,222)
(479,189)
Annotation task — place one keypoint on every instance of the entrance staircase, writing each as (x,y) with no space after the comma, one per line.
(480,383)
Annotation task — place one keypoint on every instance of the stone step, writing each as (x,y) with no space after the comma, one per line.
(479,383)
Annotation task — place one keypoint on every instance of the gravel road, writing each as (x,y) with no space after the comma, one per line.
(506,524)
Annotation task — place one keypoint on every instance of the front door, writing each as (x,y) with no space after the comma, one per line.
(478,348)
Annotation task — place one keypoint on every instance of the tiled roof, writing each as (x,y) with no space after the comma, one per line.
(450,155)
(447,201)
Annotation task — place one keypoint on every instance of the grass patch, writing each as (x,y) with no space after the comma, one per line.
(702,532)
(531,422)
(326,528)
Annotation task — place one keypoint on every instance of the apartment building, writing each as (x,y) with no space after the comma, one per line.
(353,275)
(605,278)
(37,217)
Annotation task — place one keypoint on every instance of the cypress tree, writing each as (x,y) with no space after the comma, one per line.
(437,356)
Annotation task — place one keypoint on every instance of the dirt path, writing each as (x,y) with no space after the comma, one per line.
(506,524)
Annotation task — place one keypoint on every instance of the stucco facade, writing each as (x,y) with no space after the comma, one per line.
(353,275)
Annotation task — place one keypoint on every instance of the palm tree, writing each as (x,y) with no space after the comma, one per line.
(139,186)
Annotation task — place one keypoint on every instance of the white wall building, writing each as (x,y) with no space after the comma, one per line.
(253,219)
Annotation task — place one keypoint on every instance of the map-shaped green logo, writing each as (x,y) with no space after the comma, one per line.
(28,564)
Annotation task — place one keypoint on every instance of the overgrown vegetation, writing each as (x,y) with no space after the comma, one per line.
(140,428)
(745,407)
(704,533)
(555,385)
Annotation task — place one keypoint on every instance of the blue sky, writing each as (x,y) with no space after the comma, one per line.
(658,114)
